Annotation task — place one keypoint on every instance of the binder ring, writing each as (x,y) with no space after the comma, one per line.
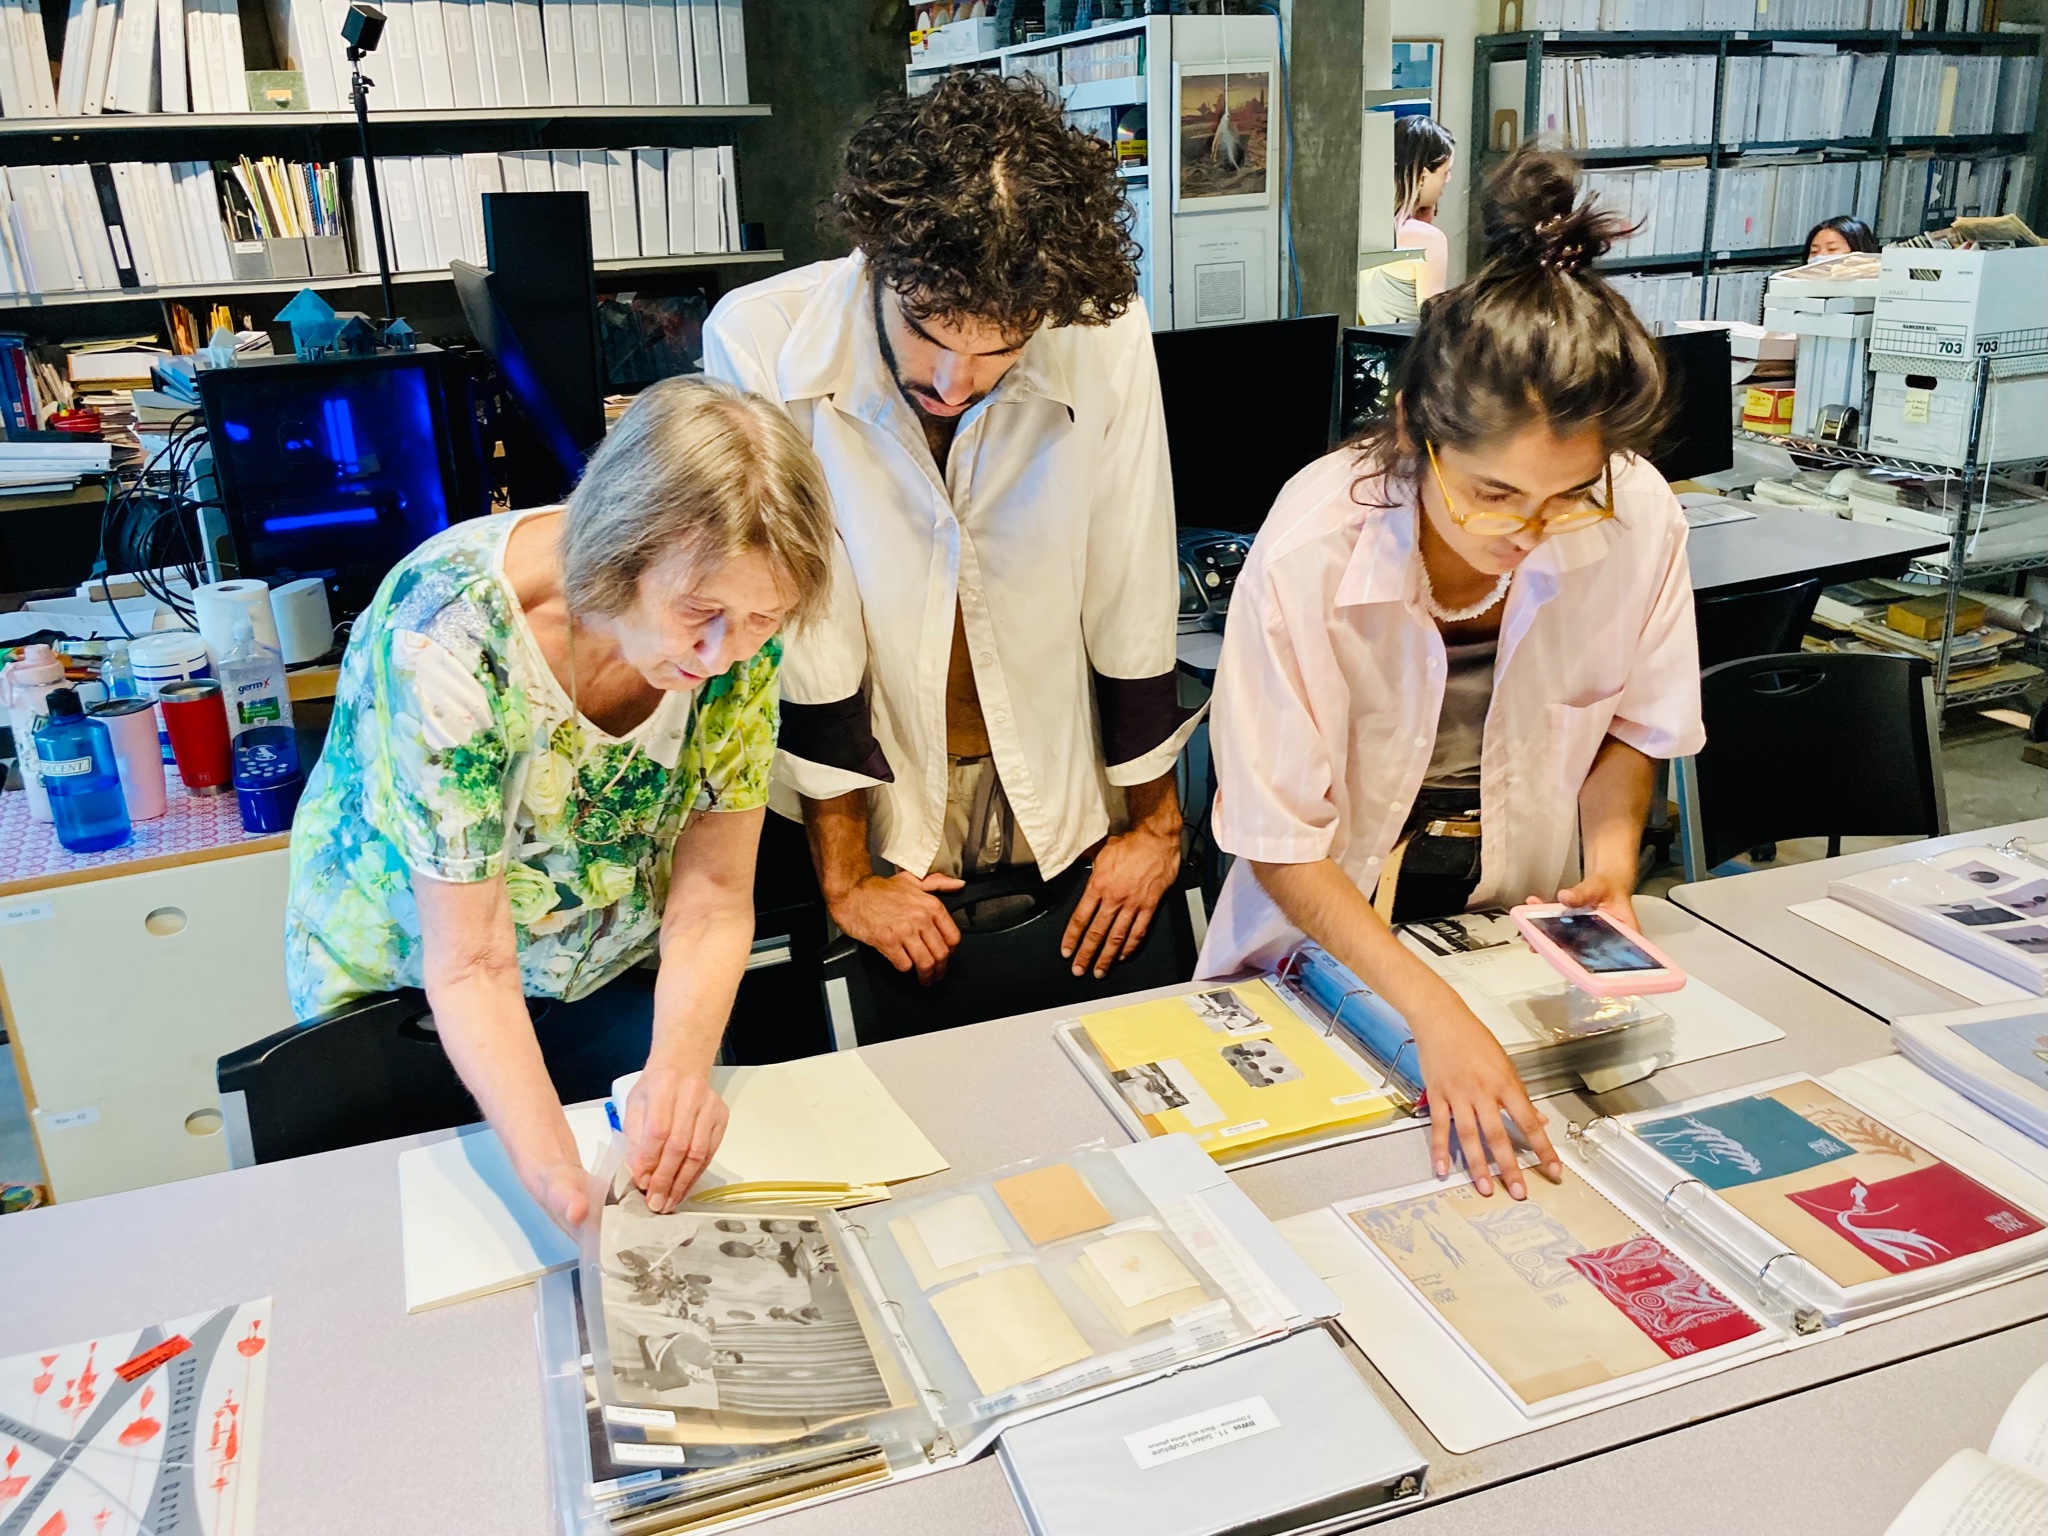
(1763,1272)
(1672,1193)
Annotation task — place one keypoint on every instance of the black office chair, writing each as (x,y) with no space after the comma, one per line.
(1810,745)
(363,1073)
(1008,961)
(1769,623)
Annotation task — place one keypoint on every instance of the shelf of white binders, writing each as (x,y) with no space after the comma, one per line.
(137,124)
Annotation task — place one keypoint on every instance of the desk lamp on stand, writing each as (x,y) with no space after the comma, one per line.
(362,29)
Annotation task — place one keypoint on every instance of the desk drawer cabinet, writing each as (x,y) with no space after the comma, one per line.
(120,995)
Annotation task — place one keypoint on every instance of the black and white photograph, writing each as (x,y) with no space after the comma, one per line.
(1974,914)
(1154,1087)
(1260,1063)
(2032,939)
(1461,933)
(1981,874)
(1226,1013)
(2028,900)
(733,1315)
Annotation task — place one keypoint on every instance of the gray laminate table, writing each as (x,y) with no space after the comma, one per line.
(1754,907)
(380,1422)
(1783,544)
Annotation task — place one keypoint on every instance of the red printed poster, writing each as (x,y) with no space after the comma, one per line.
(1664,1297)
(1928,1216)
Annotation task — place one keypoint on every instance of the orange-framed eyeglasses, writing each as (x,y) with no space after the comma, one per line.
(1580,511)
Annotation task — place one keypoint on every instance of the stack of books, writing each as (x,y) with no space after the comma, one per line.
(192,56)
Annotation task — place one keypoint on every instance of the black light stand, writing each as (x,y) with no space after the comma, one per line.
(362,29)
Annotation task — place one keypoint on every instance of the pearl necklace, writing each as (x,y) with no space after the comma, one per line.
(1459,615)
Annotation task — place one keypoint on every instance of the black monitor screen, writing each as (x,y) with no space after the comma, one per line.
(1246,407)
(1701,437)
(334,469)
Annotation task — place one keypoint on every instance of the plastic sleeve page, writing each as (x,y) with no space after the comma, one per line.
(1972,1495)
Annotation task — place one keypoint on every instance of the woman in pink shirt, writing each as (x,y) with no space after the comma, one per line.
(1458,647)
(1423,151)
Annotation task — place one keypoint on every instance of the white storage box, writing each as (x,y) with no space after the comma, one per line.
(959,38)
(1919,416)
(1960,305)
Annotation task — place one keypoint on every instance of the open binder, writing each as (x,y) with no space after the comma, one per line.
(1142,1059)
(923,1329)
(1659,1277)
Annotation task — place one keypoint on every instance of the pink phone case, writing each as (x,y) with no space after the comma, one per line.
(1599,983)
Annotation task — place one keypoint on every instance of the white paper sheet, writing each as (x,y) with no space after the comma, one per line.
(469,1227)
(1913,954)
(822,1119)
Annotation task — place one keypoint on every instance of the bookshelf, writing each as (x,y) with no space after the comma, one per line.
(1199,265)
(636,265)
(1502,118)
(661,87)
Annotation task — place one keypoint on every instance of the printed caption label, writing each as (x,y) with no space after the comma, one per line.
(28,912)
(71,1119)
(1200,1432)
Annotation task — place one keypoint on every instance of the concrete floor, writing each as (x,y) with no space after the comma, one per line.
(1988,785)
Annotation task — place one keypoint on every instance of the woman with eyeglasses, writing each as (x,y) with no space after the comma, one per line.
(549,763)
(1458,648)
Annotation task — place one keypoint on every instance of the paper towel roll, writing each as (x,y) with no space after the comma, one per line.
(305,627)
(220,603)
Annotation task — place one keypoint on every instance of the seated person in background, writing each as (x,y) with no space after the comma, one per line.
(1839,236)
(531,713)
(1458,646)
(993,681)
(1394,291)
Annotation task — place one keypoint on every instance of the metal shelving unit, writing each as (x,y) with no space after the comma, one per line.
(1881,145)
(1951,571)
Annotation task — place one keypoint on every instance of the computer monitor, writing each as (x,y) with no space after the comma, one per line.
(1246,407)
(533,308)
(1701,437)
(335,469)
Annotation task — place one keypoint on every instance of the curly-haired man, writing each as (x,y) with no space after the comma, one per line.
(995,672)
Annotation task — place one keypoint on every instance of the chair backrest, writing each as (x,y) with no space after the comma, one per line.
(367,1072)
(1008,961)
(1811,744)
(1738,624)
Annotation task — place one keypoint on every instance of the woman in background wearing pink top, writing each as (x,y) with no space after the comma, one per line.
(1458,647)
(1423,150)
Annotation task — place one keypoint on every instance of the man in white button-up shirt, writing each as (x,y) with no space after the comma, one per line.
(993,683)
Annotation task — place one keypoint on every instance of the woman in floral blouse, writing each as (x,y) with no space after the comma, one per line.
(532,713)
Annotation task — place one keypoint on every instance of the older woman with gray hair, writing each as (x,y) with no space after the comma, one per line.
(534,713)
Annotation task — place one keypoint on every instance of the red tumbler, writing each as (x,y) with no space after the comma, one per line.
(198,725)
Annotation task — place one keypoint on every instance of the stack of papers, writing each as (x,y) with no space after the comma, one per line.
(52,462)
(1996,1057)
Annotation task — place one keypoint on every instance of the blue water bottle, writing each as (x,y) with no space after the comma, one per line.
(75,758)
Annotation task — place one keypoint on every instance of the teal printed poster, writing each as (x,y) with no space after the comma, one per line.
(1741,1142)
(2017,1044)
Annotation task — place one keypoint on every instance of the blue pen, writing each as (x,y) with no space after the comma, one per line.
(611,1114)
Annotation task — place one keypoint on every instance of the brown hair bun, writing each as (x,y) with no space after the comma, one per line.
(1532,215)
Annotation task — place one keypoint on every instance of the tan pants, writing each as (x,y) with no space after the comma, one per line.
(980,833)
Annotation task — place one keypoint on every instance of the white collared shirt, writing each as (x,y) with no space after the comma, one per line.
(1052,527)
(1332,679)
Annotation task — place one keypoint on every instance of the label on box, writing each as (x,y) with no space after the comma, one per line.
(1918,407)
(1200,1432)
(71,1119)
(27,912)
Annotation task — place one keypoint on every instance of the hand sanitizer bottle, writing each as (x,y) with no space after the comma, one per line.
(258,698)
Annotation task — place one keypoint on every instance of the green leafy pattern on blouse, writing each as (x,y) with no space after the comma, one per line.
(455,755)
